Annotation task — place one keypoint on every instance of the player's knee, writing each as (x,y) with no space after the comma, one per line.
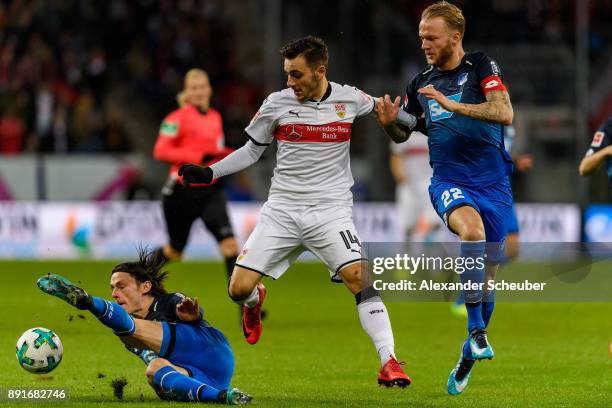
(228,247)
(351,276)
(351,273)
(239,290)
(154,367)
(474,233)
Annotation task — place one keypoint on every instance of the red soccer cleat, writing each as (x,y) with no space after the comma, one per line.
(392,374)
(251,317)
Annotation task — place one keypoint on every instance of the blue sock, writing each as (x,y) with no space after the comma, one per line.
(475,320)
(98,306)
(114,316)
(475,250)
(179,387)
(488,304)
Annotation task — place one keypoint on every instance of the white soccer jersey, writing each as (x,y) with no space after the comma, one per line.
(415,155)
(312,160)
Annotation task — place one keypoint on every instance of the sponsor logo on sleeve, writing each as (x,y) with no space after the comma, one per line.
(597,139)
(495,68)
(169,129)
(492,84)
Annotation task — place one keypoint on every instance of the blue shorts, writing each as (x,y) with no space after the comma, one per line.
(513,225)
(201,350)
(493,203)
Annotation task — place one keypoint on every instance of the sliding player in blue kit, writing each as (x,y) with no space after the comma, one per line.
(187,359)
(461,103)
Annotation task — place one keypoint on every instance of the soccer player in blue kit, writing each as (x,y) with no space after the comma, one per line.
(187,359)
(461,103)
(600,151)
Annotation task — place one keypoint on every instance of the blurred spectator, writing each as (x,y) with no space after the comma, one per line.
(12,131)
(64,58)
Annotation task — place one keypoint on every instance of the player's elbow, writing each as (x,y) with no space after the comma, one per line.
(507,118)
(584,169)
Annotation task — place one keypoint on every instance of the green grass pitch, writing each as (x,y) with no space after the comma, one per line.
(313,351)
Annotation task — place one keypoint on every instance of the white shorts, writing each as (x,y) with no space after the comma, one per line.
(413,203)
(285,231)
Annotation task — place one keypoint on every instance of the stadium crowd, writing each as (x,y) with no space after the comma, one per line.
(71,71)
(61,63)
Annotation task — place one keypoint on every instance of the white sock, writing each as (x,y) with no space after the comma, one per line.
(375,321)
(252,299)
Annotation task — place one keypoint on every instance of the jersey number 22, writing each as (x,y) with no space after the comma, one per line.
(448,196)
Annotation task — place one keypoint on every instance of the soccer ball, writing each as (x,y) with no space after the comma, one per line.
(39,350)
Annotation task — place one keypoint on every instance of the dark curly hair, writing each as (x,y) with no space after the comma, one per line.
(312,48)
(147,268)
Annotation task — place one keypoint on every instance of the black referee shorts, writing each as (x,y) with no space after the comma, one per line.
(182,206)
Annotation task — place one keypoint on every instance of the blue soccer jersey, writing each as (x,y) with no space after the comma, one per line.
(603,138)
(509,135)
(196,346)
(462,149)
(469,160)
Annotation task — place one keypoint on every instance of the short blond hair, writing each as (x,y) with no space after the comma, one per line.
(181,97)
(452,15)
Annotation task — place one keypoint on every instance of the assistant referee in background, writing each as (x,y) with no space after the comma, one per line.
(194,134)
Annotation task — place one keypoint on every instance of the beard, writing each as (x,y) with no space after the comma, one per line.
(445,54)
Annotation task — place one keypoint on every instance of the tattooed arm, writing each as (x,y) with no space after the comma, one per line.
(497,108)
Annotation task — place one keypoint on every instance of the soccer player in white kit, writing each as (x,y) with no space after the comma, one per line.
(309,206)
(409,163)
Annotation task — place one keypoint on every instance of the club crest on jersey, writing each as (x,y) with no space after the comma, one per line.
(340,110)
(597,139)
(462,79)
(437,112)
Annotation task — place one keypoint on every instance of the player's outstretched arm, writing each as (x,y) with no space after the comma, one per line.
(593,162)
(497,108)
(232,163)
(387,117)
